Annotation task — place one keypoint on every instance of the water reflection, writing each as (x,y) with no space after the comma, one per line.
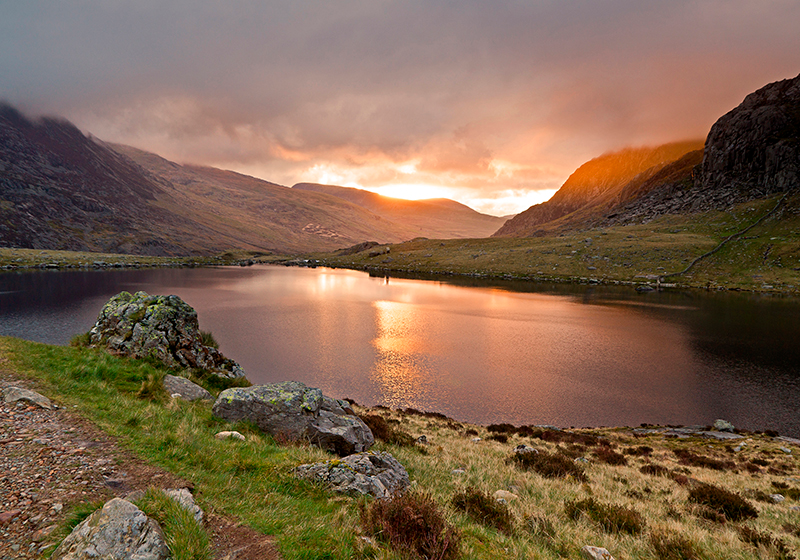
(400,369)
(478,351)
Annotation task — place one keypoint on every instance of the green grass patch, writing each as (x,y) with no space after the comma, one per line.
(185,537)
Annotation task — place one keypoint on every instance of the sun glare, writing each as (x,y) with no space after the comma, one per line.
(411,191)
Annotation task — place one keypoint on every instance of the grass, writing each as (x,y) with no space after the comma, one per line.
(185,538)
(251,480)
(611,517)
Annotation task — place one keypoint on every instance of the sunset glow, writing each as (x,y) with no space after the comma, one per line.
(492,105)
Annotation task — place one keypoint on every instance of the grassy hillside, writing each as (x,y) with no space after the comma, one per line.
(766,258)
(640,494)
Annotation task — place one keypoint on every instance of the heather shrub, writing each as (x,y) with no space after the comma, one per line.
(484,509)
(609,456)
(549,465)
(412,524)
(383,431)
(612,518)
(727,503)
(672,546)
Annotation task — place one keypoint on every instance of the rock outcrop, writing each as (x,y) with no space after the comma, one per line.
(162,327)
(292,411)
(118,530)
(374,474)
(755,148)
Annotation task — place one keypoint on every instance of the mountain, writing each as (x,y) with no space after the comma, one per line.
(252,212)
(440,218)
(60,189)
(594,188)
(751,152)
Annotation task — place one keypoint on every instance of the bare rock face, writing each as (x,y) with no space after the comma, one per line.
(162,327)
(292,411)
(755,148)
(370,474)
(119,530)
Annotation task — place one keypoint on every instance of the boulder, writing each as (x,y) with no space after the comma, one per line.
(292,411)
(721,425)
(182,388)
(376,474)
(161,327)
(117,531)
(15,394)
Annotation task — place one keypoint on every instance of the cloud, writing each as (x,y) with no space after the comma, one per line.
(483,98)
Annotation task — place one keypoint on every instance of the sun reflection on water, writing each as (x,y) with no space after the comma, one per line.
(400,368)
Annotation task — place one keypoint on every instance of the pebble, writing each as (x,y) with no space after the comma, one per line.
(230,435)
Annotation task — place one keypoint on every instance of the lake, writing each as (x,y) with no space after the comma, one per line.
(482,352)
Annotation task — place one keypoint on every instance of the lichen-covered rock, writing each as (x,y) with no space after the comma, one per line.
(162,327)
(375,474)
(185,389)
(118,531)
(292,411)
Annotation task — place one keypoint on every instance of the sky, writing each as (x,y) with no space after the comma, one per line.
(492,103)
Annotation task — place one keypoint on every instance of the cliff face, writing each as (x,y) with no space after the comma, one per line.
(755,148)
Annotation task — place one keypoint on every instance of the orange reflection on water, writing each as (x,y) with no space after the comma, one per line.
(399,367)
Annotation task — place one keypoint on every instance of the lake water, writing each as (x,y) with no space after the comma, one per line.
(502,352)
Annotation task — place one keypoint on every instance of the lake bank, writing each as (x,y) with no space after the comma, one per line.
(483,352)
(646,472)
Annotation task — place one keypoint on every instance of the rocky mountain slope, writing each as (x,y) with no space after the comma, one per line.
(60,189)
(441,217)
(751,152)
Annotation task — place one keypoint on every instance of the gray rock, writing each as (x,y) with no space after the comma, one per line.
(118,531)
(721,425)
(721,435)
(375,474)
(596,553)
(292,411)
(185,389)
(186,501)
(16,394)
(162,327)
(777,498)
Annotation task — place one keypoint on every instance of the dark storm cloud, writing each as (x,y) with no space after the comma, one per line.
(458,88)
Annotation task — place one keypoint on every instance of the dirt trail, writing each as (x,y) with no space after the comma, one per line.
(51,460)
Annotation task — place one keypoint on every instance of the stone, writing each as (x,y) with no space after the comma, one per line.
(292,411)
(18,394)
(721,425)
(422,440)
(186,501)
(43,533)
(376,474)
(504,496)
(230,435)
(117,531)
(721,435)
(785,450)
(160,327)
(596,553)
(458,471)
(777,498)
(7,516)
(185,389)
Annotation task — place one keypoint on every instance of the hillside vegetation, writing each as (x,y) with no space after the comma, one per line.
(645,493)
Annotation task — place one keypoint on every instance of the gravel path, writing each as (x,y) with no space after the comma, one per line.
(51,460)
